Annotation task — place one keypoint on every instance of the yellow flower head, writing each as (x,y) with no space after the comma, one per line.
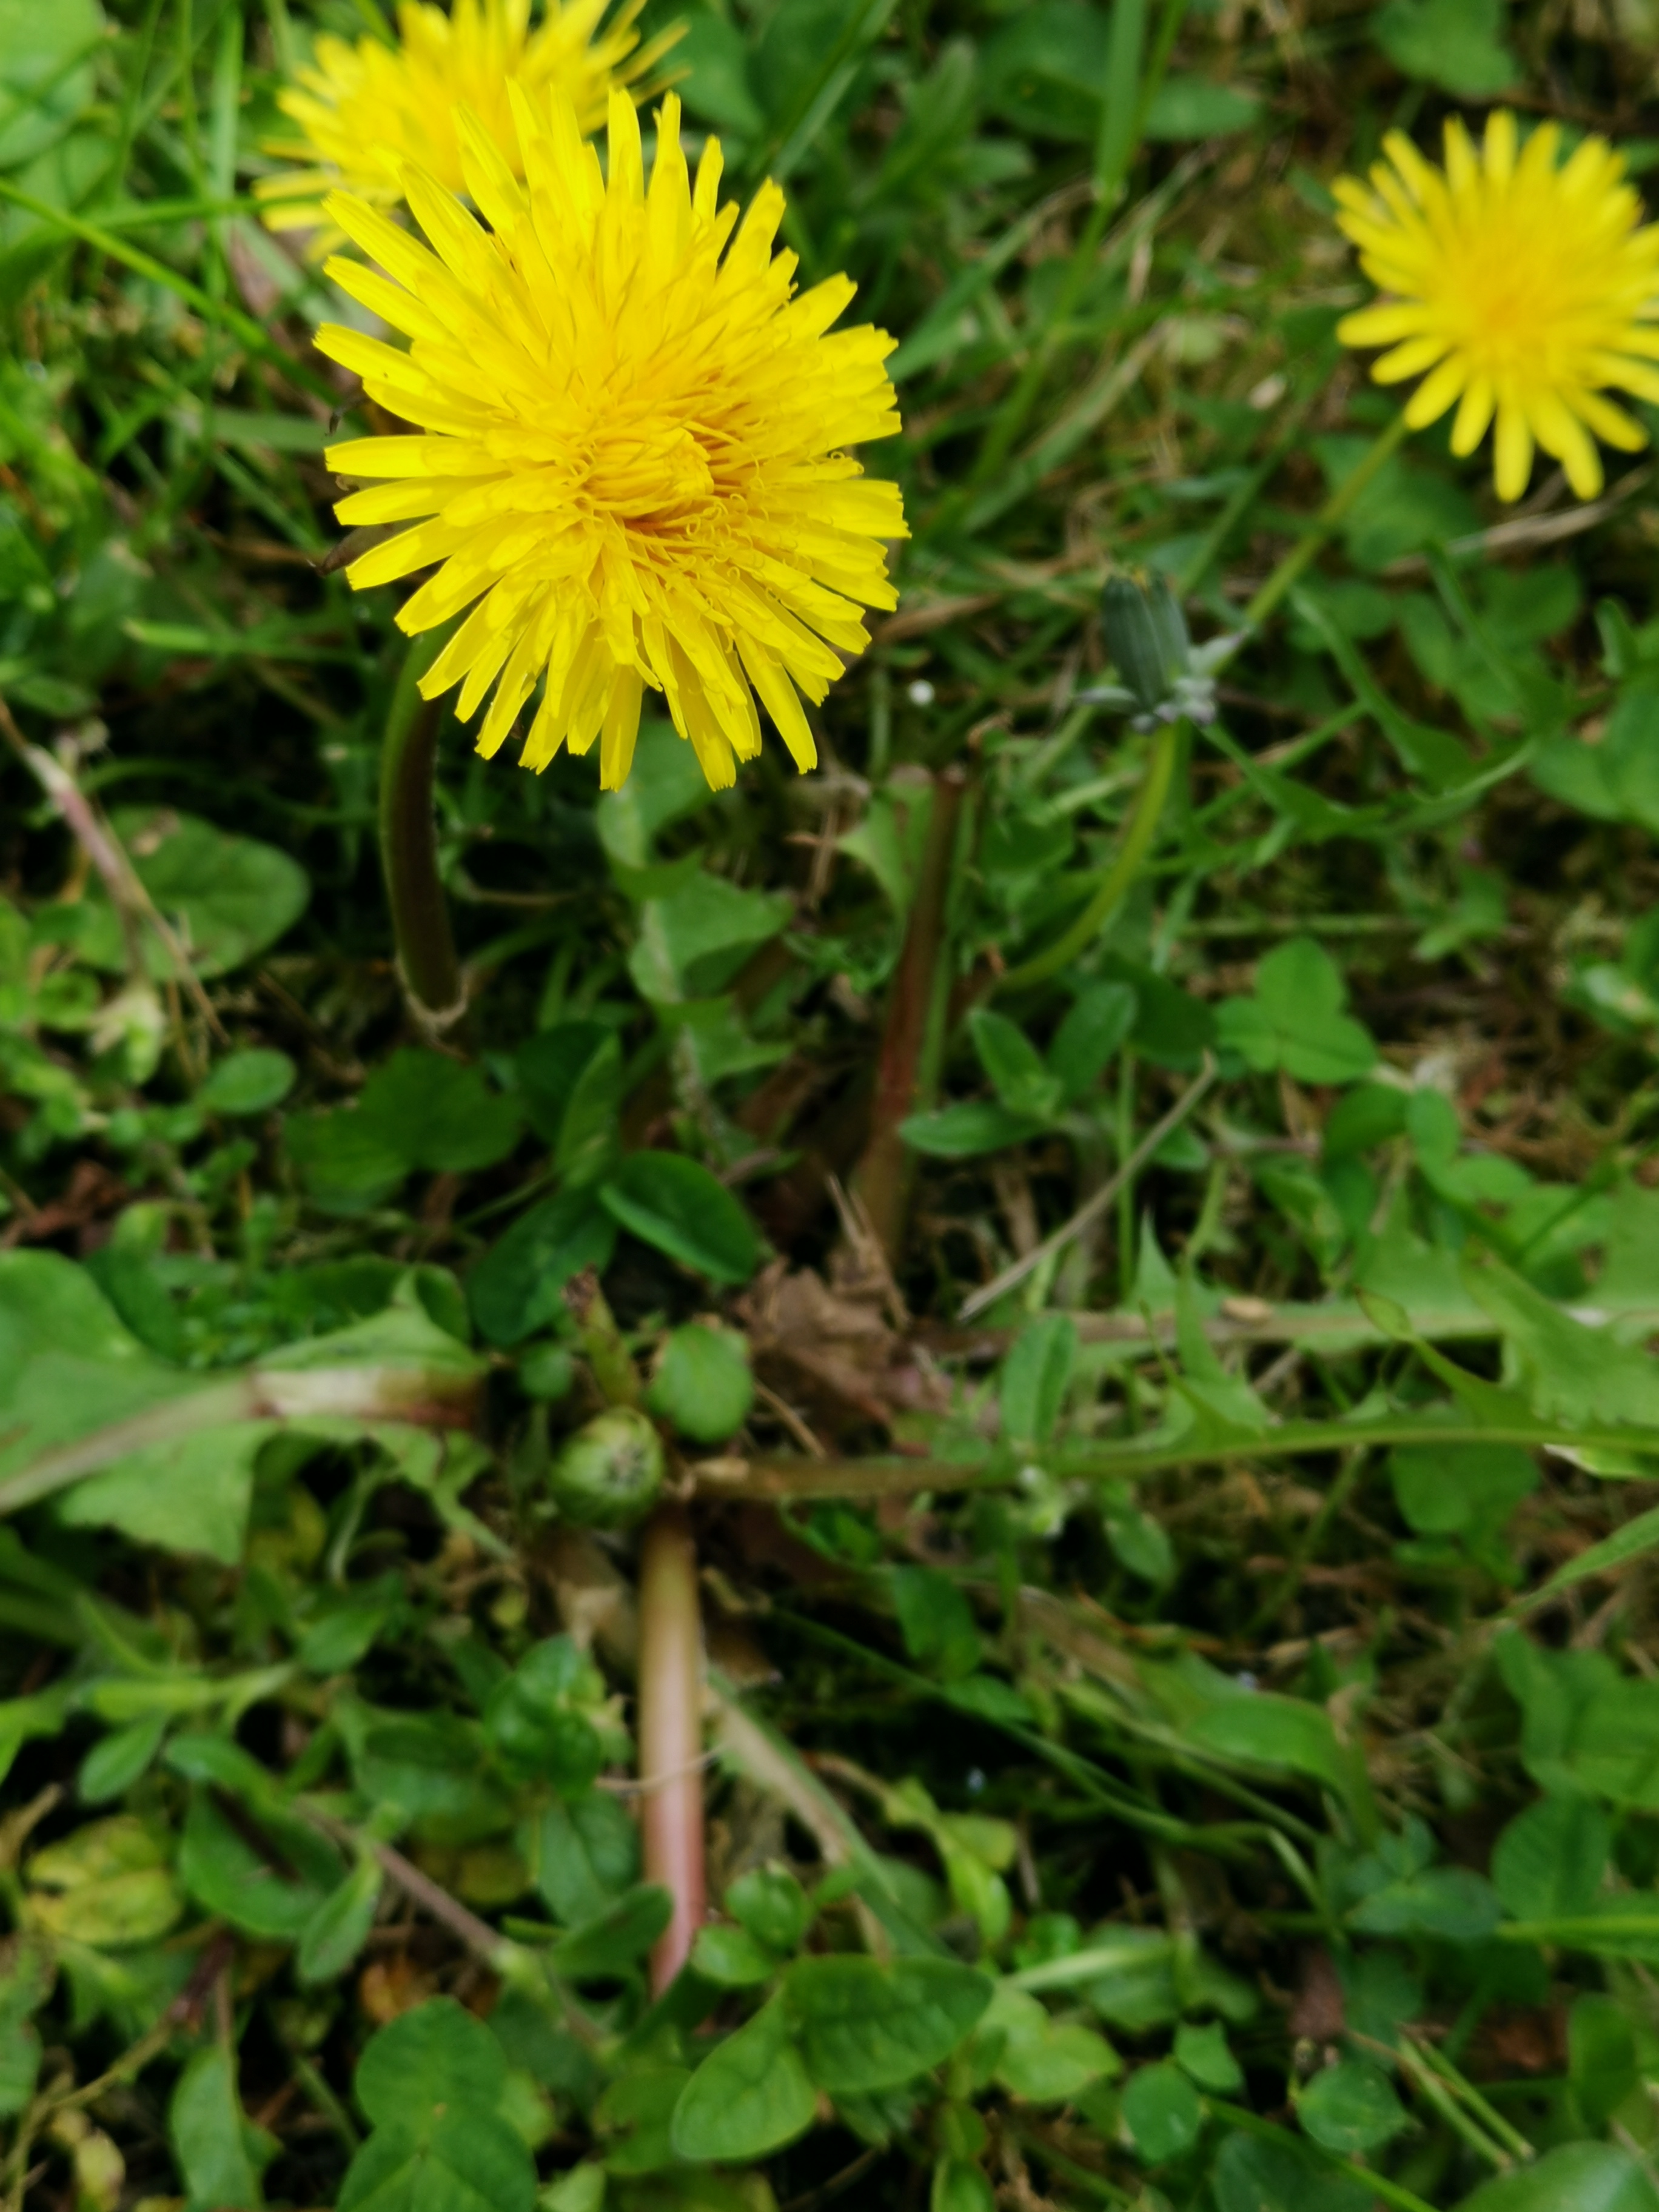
(630,449)
(1523,288)
(364,110)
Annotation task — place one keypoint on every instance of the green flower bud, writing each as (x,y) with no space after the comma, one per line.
(610,1471)
(1146,636)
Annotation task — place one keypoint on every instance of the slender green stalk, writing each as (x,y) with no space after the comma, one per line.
(1119,878)
(409,852)
(1330,519)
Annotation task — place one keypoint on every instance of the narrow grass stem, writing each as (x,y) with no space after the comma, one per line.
(1328,520)
(1116,883)
(409,853)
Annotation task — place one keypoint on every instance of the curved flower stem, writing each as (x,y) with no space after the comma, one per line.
(904,1078)
(1329,518)
(409,852)
(1119,878)
(670,1733)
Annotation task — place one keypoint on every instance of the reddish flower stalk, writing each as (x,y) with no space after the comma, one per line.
(670,1733)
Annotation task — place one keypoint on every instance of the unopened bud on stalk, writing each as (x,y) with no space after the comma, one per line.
(1161,675)
(610,1471)
(1146,636)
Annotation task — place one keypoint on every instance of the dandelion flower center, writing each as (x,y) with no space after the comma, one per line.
(1519,288)
(631,463)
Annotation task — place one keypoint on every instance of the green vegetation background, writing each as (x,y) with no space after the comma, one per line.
(1185,1731)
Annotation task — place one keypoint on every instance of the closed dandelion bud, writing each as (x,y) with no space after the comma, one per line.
(610,1471)
(1146,637)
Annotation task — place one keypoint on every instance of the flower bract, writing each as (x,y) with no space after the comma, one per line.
(365,108)
(1520,288)
(630,461)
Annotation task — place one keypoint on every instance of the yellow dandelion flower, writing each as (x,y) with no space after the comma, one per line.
(364,110)
(1525,287)
(631,450)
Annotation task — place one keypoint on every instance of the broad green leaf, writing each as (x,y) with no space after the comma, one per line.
(771,1905)
(1037,2057)
(963,1131)
(250,1082)
(209,2134)
(1351,2107)
(68,1365)
(190,1493)
(703,1386)
(935,1621)
(348,1165)
(1041,70)
(1453,1902)
(107,1883)
(1161,2112)
(715,55)
(572,1080)
(1548,1862)
(1015,1067)
(616,1938)
(1089,1035)
(1457,45)
(693,942)
(47,61)
(1639,1535)
(1204,2053)
(438,1114)
(430,1767)
(21,2052)
(636,2112)
(749,2096)
(731,1959)
(550,1066)
(119,1910)
(1036,1377)
(225,897)
(584,1855)
(1224,1400)
(1264,1729)
(675,1205)
(889,841)
(430,2060)
(1194,107)
(1253,2175)
(1602,2063)
(338,1929)
(666,785)
(1138,1540)
(1574,1373)
(270,1887)
(519,1284)
(1580,2177)
(1446,1490)
(1295,1019)
(959,2186)
(863,2027)
(117,1760)
(467,2161)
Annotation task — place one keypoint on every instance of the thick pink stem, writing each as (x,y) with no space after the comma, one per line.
(670,1733)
